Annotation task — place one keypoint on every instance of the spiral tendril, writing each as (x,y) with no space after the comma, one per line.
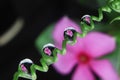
(49,54)
(111,5)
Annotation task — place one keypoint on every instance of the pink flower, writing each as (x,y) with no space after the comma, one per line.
(84,54)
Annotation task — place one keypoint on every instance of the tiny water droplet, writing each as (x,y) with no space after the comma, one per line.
(86,19)
(69,33)
(48,49)
(25,65)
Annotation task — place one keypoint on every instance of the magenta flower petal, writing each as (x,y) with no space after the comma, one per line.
(98,44)
(104,69)
(93,45)
(77,47)
(65,63)
(83,73)
(60,27)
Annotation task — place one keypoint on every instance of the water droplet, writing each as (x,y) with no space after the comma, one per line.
(69,33)
(25,65)
(86,19)
(48,49)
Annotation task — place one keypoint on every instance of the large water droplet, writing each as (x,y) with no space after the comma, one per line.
(86,19)
(48,49)
(69,33)
(25,65)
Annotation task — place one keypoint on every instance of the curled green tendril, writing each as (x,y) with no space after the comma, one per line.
(85,27)
(48,60)
(115,5)
(111,5)
(115,19)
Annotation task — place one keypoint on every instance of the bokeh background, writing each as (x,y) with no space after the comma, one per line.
(36,15)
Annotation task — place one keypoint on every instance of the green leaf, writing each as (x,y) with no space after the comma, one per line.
(115,59)
(44,38)
(115,56)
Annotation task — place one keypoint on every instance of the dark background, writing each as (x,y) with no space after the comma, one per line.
(37,14)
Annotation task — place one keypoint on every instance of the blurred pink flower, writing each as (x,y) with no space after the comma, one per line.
(84,53)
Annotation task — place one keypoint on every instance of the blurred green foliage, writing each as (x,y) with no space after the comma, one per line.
(44,38)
